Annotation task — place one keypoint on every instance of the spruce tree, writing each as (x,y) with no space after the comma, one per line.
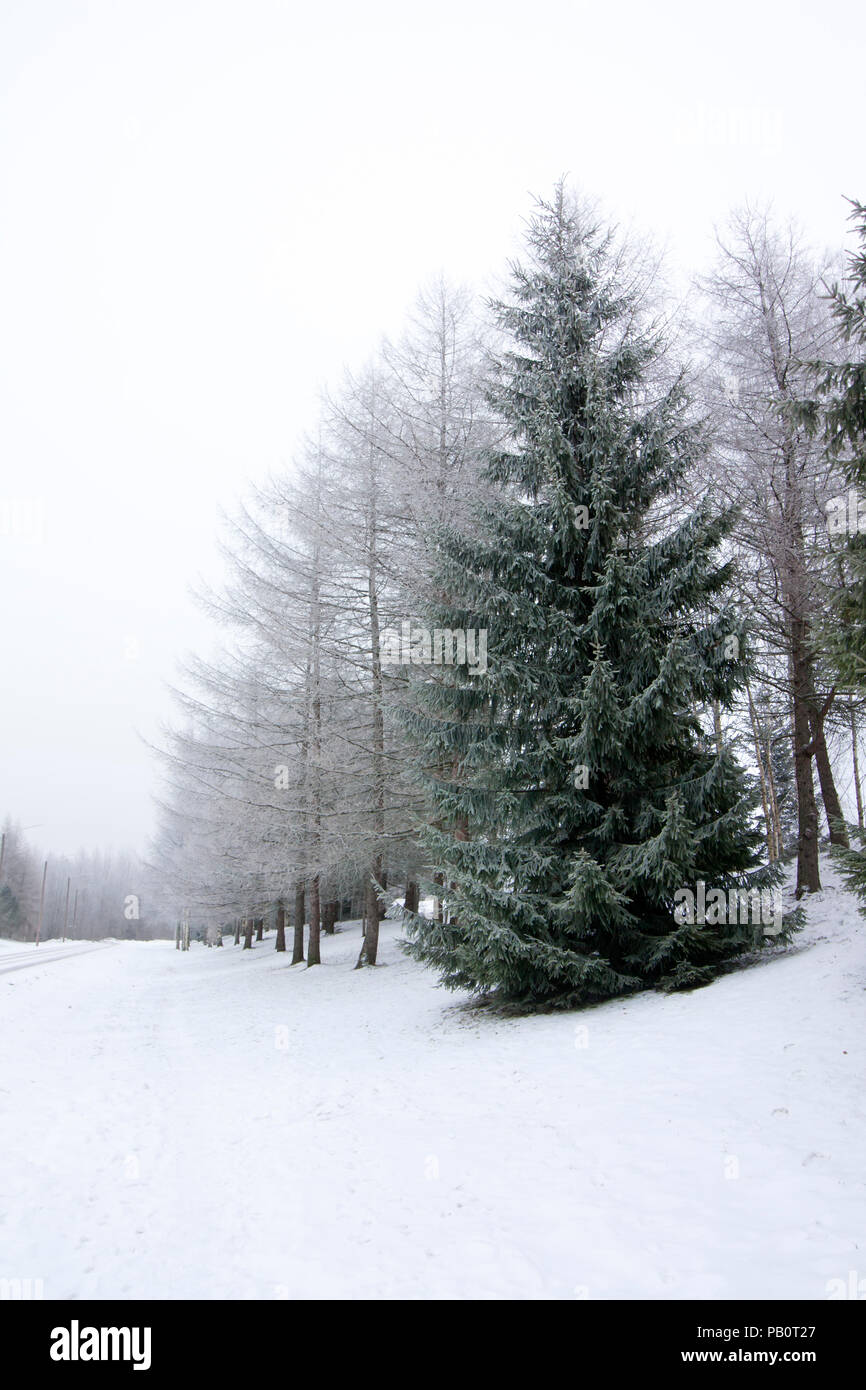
(572,787)
(839,409)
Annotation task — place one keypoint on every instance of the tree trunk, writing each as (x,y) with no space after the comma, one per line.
(461,832)
(281,925)
(237,931)
(808,877)
(439,880)
(411,896)
(314,956)
(329,917)
(374,915)
(248,933)
(829,795)
(260,926)
(298,942)
(370,946)
(774,800)
(765,801)
(856,761)
(717,727)
(374,909)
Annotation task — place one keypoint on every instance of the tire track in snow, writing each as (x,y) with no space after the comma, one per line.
(14,962)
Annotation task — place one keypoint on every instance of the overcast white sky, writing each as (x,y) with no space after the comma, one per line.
(207,207)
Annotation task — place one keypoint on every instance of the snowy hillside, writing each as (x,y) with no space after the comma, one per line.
(217,1124)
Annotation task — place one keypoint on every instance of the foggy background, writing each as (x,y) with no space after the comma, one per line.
(207,209)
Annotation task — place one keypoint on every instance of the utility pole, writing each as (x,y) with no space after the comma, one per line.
(41,901)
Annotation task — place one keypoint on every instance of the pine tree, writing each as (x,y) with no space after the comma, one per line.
(572,787)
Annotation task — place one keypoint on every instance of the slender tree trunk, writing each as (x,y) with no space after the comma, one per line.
(314,956)
(371,938)
(794,590)
(237,931)
(260,926)
(298,941)
(411,896)
(281,925)
(461,832)
(829,795)
(41,902)
(817,722)
(771,847)
(856,761)
(808,877)
(774,800)
(248,933)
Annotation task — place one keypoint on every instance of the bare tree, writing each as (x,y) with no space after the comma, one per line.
(766,318)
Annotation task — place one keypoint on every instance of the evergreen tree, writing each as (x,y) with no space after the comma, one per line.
(840,409)
(12,920)
(572,787)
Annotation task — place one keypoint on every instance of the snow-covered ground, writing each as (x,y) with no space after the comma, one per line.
(217,1124)
(20,955)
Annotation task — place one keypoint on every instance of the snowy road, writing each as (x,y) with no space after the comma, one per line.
(41,955)
(218,1124)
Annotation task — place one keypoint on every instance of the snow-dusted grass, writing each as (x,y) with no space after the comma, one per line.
(218,1124)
